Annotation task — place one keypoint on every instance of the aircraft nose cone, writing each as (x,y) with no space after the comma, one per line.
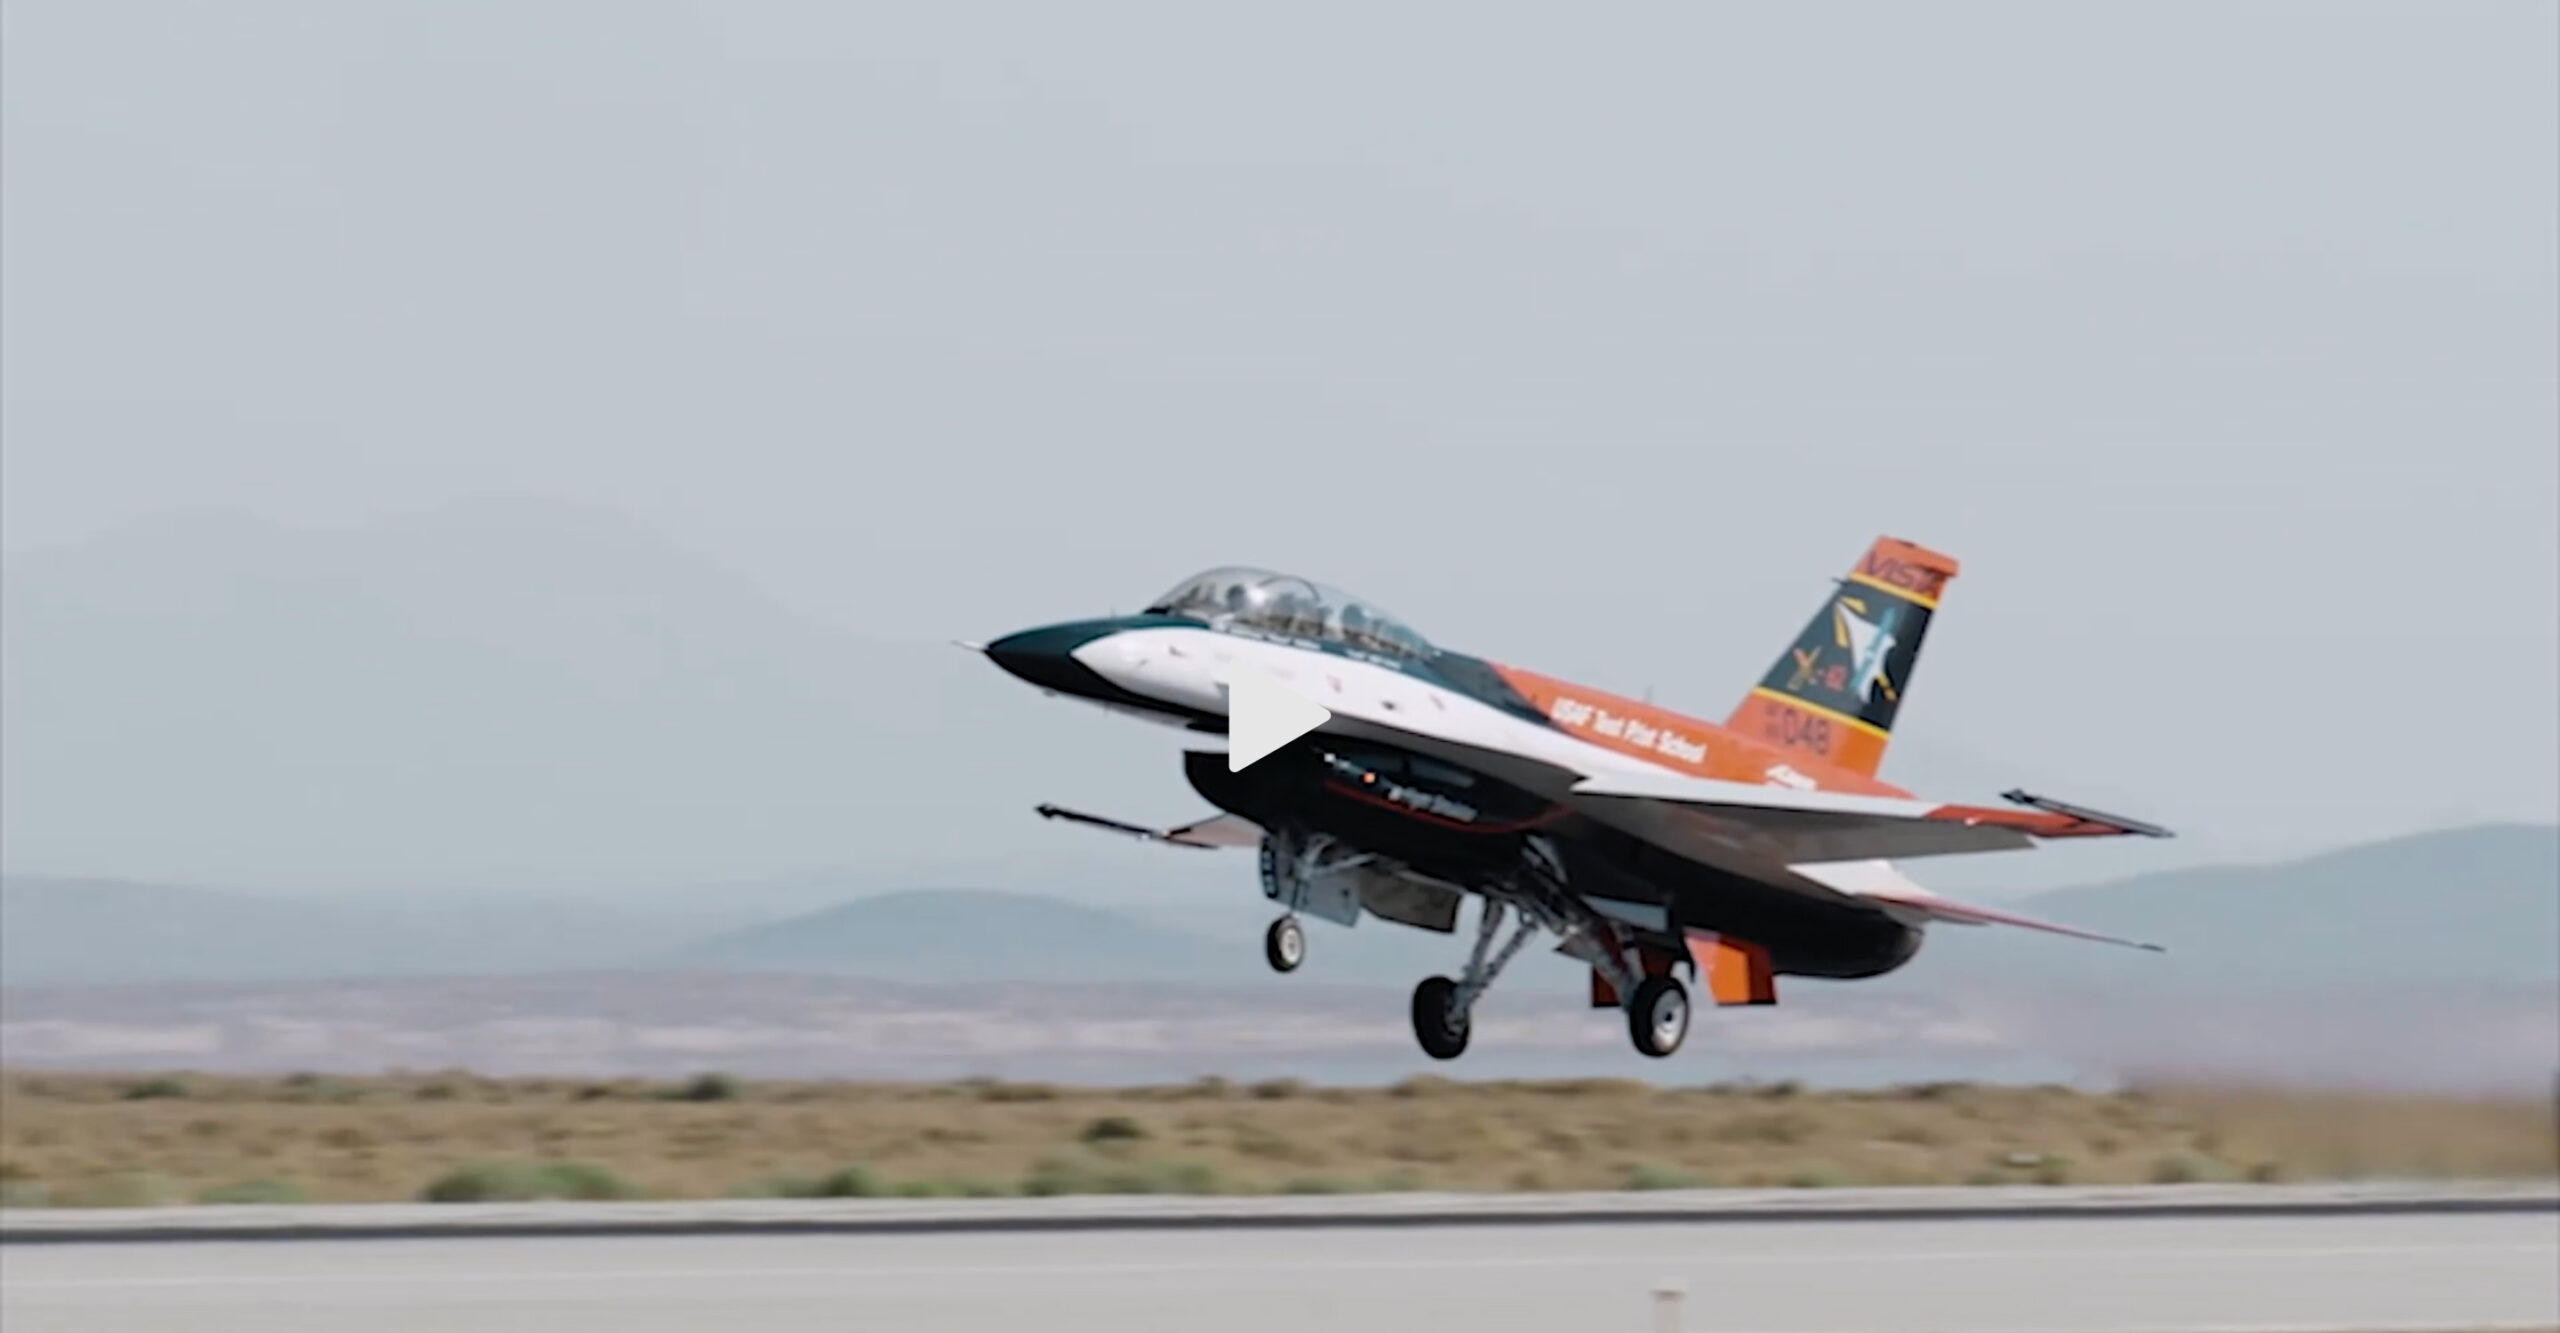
(1045,656)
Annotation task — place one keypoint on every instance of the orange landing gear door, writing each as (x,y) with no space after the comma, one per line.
(1735,971)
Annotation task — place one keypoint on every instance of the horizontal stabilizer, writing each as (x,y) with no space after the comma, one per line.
(1966,914)
(1881,883)
(1213,832)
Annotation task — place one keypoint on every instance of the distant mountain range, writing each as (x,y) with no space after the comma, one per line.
(2466,906)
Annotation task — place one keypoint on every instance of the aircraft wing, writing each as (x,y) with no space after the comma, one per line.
(1788,826)
(1213,832)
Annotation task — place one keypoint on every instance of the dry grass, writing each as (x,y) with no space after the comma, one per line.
(104,1140)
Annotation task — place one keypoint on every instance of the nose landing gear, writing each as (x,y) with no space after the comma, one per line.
(1284,946)
(1310,874)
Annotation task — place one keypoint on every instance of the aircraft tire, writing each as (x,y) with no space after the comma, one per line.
(1659,1018)
(1284,946)
(1443,1034)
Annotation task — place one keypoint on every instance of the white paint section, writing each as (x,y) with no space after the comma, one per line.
(1263,715)
(1188,667)
(1658,785)
(1877,878)
(1879,881)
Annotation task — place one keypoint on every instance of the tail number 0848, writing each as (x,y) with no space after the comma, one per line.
(1799,731)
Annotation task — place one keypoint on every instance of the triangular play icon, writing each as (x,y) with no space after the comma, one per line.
(1263,715)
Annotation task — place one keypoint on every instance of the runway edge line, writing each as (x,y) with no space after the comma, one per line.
(1131,1213)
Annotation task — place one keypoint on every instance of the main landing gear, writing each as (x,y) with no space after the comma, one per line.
(1657,1005)
(1658,1016)
(1284,946)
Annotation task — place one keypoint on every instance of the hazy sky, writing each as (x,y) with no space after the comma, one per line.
(2218,341)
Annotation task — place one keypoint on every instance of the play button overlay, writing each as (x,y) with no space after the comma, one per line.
(1263,715)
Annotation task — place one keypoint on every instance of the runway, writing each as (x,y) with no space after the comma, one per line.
(2094,1274)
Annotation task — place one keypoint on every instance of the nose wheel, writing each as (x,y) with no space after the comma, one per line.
(1284,946)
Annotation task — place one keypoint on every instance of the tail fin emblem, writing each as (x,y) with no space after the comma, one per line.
(1870,644)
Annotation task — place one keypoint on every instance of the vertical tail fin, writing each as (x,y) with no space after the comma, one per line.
(1833,694)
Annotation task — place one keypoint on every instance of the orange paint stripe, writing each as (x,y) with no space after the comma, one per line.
(1639,730)
(1748,754)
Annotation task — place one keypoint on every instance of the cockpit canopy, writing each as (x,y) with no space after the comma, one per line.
(1286,604)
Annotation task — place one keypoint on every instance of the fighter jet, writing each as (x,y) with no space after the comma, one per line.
(1378,773)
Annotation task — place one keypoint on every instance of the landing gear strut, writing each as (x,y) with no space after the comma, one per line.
(1284,946)
(1442,1008)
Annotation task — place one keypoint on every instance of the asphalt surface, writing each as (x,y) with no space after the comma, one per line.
(2069,1275)
(558,1219)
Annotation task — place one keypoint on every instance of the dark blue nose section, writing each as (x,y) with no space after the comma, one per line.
(1046,656)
